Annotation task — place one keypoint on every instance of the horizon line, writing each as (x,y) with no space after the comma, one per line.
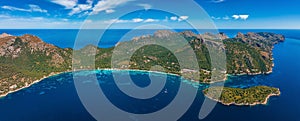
(150,29)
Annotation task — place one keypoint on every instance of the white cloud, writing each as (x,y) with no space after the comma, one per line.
(84,7)
(65,20)
(174,18)
(83,14)
(4,16)
(36,8)
(109,11)
(17,22)
(137,20)
(215,18)
(68,4)
(75,11)
(89,1)
(236,17)
(74,6)
(226,18)
(182,18)
(108,6)
(116,21)
(217,1)
(32,8)
(104,5)
(123,21)
(88,21)
(14,8)
(150,20)
(145,6)
(244,17)
(81,8)
(166,19)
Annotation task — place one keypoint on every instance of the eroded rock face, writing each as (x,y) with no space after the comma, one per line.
(223,36)
(188,34)
(141,37)
(263,40)
(4,35)
(262,36)
(35,43)
(14,46)
(163,33)
(6,45)
(241,36)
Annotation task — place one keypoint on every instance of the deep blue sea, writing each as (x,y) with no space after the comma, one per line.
(55,98)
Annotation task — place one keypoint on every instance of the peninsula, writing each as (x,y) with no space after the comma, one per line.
(235,96)
(27,59)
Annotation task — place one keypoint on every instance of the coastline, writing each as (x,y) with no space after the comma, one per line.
(246,104)
(252,74)
(34,82)
(107,69)
(116,69)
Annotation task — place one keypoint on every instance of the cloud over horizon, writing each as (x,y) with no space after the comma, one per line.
(91,7)
(225,13)
(31,8)
(107,5)
(145,6)
(217,1)
(179,18)
(243,17)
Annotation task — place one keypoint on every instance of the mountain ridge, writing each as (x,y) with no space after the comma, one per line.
(27,58)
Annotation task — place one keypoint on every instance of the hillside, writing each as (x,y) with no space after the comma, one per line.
(24,59)
(236,96)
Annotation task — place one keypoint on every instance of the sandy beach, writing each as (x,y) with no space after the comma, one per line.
(34,82)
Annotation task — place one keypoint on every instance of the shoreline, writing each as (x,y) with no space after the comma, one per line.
(115,69)
(34,82)
(246,104)
(252,74)
(104,69)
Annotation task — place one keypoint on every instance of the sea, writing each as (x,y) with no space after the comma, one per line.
(56,98)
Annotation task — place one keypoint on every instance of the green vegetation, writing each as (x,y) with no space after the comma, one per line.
(244,58)
(237,96)
(144,58)
(25,63)
(27,58)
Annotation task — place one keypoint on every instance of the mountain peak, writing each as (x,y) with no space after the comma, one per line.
(188,33)
(4,35)
(163,33)
(30,38)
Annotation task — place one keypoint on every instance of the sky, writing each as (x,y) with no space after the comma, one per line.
(123,14)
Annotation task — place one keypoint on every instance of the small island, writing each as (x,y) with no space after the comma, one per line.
(236,96)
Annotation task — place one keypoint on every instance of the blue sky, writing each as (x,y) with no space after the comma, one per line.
(228,14)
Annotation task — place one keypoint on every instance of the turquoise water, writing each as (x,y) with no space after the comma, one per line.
(55,98)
